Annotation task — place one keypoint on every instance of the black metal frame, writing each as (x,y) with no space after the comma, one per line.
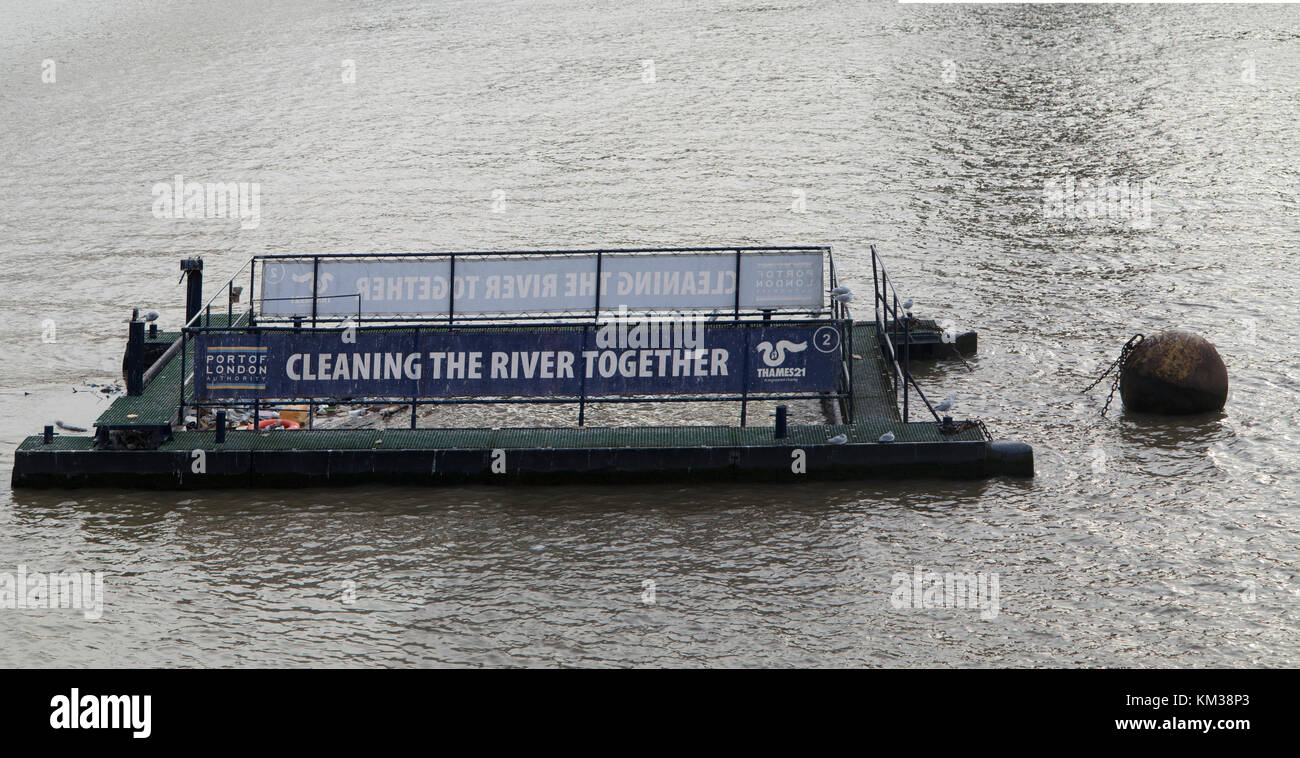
(254,321)
(735,312)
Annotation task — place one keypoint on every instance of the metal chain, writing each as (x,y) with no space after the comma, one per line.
(1129,347)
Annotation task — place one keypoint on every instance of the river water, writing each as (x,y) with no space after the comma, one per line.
(931,131)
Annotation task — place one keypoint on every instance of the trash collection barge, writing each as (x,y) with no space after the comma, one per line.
(238,395)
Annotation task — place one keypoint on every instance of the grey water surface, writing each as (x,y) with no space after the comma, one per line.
(936,132)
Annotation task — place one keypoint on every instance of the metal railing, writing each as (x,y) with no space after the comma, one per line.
(254,320)
(892,322)
(734,311)
(228,289)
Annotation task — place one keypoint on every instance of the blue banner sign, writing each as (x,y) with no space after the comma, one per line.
(643,358)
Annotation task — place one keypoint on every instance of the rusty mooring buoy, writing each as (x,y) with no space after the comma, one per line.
(1174,372)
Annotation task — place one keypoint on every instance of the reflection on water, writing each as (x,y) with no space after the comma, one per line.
(931,131)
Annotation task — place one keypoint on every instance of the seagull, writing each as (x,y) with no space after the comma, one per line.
(946,404)
(840,290)
(887,437)
(838,439)
(151,316)
(843,297)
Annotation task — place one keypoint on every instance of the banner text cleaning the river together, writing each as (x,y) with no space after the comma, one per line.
(660,359)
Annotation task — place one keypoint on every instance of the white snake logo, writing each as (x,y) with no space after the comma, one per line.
(321,286)
(775,356)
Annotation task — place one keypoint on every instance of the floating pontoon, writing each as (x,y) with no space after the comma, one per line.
(415,331)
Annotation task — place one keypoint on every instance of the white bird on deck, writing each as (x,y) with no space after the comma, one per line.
(907,306)
(947,404)
(838,439)
(887,437)
(840,290)
(843,297)
(151,316)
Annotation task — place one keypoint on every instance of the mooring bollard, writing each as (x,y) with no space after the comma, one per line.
(221,427)
(192,269)
(135,358)
(49,434)
(781,431)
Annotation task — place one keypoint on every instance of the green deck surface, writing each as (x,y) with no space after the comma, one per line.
(875,406)
(161,397)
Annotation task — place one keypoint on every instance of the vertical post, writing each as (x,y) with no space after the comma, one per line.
(875,288)
(893,320)
(185,335)
(736,307)
(49,434)
(600,261)
(135,358)
(744,386)
(252,297)
(221,426)
(207,315)
(451,300)
(890,316)
(230,303)
(781,431)
(315,287)
(880,307)
(415,383)
(847,347)
(830,262)
(907,365)
(595,319)
(193,270)
(582,380)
